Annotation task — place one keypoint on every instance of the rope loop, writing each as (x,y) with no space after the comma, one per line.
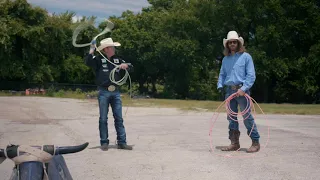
(245,113)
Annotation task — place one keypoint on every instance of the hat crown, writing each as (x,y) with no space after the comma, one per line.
(232,35)
(106,41)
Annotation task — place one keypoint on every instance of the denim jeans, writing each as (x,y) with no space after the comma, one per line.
(105,98)
(249,121)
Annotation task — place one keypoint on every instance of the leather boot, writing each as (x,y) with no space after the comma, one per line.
(125,147)
(234,137)
(255,147)
(104,147)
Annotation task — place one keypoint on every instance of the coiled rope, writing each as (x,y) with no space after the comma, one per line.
(231,114)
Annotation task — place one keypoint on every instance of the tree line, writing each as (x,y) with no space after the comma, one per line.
(175,46)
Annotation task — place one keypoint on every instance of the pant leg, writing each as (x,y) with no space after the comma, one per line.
(234,125)
(116,105)
(103,99)
(249,121)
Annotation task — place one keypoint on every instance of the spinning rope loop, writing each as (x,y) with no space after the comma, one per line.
(231,114)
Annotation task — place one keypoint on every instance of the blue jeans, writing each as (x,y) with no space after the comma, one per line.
(249,122)
(105,98)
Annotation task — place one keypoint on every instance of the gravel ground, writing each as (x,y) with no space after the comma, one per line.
(168,144)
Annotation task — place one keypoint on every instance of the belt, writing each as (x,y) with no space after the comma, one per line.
(235,87)
(110,88)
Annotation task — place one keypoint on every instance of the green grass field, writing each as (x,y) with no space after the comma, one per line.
(210,106)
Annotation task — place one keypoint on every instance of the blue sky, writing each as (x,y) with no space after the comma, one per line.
(100,8)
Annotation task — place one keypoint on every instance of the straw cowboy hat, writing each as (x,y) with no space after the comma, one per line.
(233,35)
(106,43)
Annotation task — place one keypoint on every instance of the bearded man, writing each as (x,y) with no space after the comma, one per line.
(237,75)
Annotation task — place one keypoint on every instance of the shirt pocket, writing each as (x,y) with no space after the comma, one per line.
(240,68)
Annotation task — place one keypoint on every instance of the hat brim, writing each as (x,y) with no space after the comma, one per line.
(108,45)
(240,39)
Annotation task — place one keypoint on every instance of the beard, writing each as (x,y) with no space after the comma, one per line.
(233,47)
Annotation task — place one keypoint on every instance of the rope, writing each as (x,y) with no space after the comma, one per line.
(231,114)
(31,154)
(115,70)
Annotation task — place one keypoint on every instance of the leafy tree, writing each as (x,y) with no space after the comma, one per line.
(174,44)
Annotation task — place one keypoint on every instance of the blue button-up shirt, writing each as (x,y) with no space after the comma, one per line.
(237,69)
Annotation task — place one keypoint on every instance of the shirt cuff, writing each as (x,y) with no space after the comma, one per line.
(243,88)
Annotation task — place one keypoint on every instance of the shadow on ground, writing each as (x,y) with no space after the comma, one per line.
(241,149)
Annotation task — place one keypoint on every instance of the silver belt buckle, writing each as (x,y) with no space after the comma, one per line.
(235,87)
(111,88)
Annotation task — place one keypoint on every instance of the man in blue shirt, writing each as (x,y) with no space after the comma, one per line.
(237,75)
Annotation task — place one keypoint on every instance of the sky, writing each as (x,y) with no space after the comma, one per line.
(102,9)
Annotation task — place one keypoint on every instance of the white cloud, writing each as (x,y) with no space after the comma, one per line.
(76,18)
(93,7)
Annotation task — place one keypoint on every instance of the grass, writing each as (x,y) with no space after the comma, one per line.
(209,106)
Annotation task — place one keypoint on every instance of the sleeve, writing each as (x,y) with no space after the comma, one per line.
(222,76)
(250,74)
(90,60)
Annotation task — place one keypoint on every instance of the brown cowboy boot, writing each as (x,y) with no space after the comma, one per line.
(255,147)
(234,137)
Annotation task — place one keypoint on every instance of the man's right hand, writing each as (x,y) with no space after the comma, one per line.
(93,42)
(92,46)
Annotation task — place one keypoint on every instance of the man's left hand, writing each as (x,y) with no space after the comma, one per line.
(124,66)
(240,92)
